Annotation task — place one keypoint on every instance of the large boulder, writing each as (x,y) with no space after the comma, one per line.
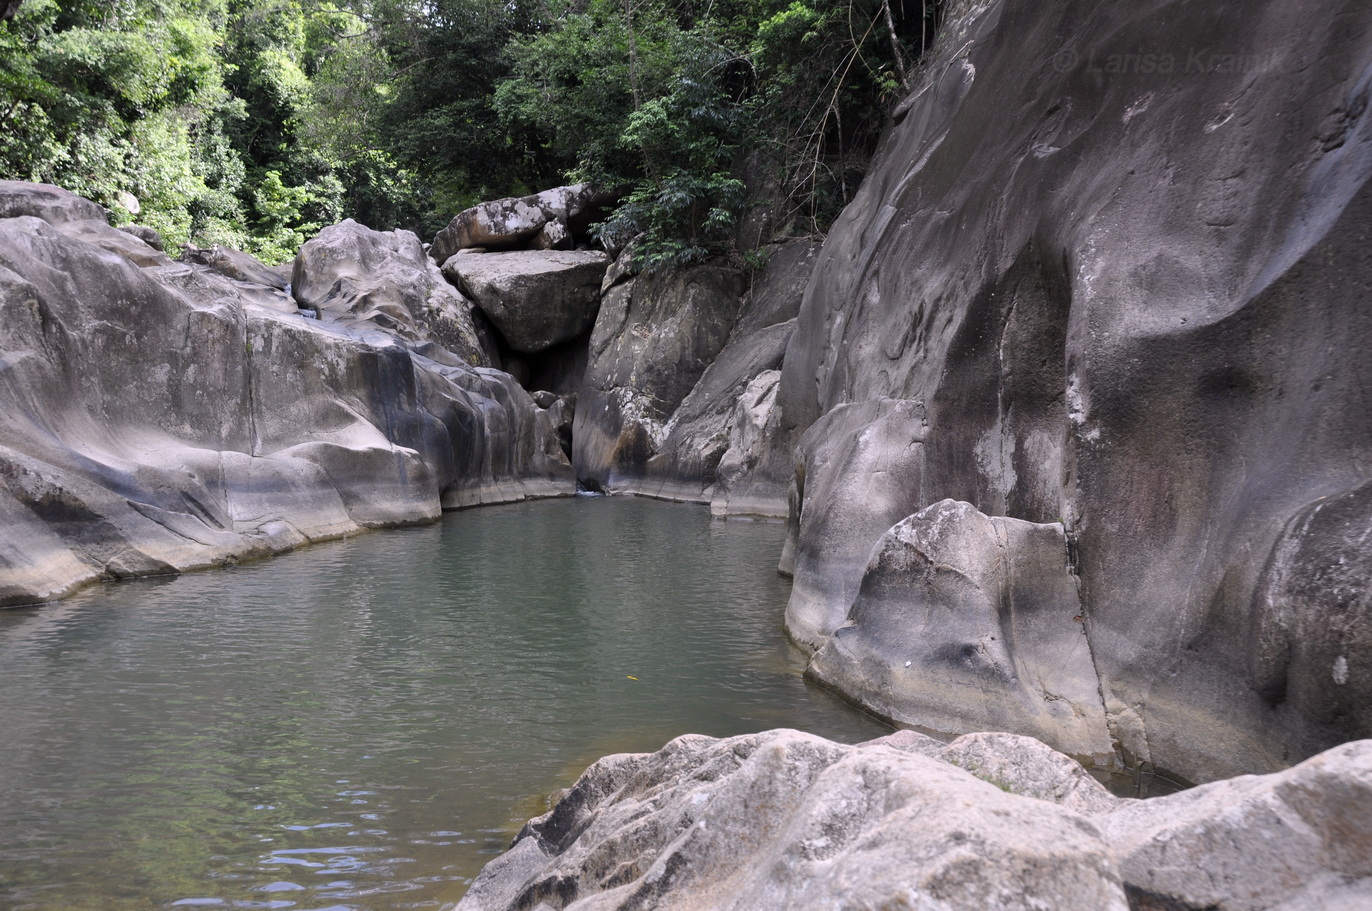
(1115,267)
(546,220)
(952,600)
(157,419)
(536,298)
(783,820)
(365,279)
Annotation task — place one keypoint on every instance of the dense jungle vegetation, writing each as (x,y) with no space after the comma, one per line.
(253,123)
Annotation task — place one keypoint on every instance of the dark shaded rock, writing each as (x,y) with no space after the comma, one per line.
(147,235)
(966,621)
(1125,299)
(535,298)
(653,339)
(365,279)
(721,443)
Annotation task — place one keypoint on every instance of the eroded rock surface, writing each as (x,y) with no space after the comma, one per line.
(362,278)
(784,820)
(967,621)
(156,418)
(1131,299)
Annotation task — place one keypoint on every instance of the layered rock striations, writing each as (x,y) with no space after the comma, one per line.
(784,820)
(1109,273)
(160,416)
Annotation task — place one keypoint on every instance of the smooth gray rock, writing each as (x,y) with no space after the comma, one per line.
(784,820)
(362,278)
(1129,298)
(156,418)
(858,471)
(536,298)
(964,621)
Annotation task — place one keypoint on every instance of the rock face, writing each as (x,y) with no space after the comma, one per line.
(364,278)
(680,394)
(157,419)
(1109,270)
(784,820)
(953,599)
(537,299)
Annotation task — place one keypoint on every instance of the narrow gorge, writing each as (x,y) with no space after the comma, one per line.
(1069,418)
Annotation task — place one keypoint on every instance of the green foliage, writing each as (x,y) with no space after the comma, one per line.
(252,123)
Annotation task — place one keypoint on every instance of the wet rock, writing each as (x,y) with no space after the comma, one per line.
(1122,301)
(536,298)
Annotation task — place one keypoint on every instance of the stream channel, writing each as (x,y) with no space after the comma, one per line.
(363,724)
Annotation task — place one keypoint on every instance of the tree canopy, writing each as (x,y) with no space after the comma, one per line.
(253,123)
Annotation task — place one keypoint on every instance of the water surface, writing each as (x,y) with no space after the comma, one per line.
(363,724)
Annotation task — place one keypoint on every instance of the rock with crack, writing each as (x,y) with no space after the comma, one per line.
(722,442)
(535,298)
(654,338)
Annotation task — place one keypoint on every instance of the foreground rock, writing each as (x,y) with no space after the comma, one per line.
(1130,299)
(155,419)
(784,820)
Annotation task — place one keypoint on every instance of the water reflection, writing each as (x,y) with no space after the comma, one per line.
(363,724)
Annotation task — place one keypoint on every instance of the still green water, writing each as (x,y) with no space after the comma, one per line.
(364,724)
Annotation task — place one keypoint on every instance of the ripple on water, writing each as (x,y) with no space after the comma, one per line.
(371,720)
